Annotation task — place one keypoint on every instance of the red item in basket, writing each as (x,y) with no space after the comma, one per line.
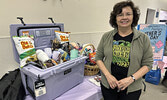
(92,57)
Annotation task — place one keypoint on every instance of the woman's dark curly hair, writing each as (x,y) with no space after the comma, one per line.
(117,9)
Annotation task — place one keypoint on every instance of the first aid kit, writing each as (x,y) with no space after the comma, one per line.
(48,83)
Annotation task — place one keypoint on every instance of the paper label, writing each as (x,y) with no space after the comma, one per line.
(39,88)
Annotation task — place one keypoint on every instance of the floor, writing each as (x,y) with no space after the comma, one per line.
(154,92)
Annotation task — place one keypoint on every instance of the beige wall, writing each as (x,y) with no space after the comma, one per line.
(83,18)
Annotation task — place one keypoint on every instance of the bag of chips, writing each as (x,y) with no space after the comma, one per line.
(63,37)
(25,48)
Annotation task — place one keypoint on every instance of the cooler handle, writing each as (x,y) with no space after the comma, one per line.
(62,68)
(65,68)
(51,20)
(21,19)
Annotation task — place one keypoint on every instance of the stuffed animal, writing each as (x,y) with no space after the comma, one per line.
(55,44)
(75,45)
(66,47)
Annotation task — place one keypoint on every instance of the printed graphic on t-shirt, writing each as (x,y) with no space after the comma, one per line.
(121,51)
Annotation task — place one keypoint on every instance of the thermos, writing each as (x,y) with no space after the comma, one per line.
(42,56)
(73,54)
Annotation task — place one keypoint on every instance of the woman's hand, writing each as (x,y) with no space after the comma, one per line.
(112,81)
(124,83)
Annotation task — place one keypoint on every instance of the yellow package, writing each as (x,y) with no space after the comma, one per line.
(25,48)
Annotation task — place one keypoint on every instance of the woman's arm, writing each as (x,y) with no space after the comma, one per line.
(141,72)
(124,83)
(110,78)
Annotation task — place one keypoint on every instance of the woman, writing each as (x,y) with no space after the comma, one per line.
(123,55)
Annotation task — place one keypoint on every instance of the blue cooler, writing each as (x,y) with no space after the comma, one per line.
(57,79)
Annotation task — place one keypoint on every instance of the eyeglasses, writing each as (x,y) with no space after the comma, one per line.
(122,15)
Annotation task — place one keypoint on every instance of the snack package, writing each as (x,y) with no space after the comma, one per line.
(63,37)
(25,48)
(92,58)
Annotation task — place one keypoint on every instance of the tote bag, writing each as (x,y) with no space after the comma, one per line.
(153,76)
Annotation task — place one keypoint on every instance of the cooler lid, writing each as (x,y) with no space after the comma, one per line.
(43,34)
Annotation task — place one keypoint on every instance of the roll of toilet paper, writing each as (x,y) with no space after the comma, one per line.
(56,55)
(48,51)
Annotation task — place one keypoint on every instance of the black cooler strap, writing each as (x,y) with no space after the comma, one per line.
(29,89)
